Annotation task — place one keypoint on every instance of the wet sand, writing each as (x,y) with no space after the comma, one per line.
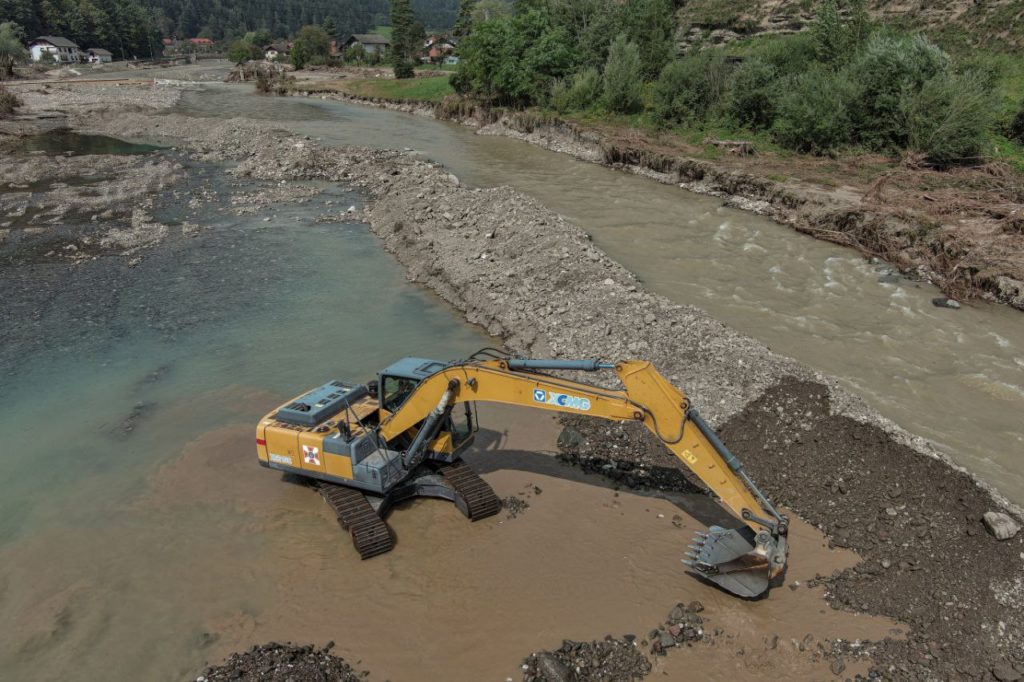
(455,600)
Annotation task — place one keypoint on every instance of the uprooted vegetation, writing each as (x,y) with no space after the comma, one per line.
(9,102)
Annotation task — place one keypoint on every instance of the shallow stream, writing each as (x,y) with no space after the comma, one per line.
(955,377)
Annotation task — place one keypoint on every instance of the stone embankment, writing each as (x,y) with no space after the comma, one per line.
(537,282)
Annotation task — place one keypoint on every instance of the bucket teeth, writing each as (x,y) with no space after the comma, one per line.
(727,558)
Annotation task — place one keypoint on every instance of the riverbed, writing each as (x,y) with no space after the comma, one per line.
(131,534)
(954,377)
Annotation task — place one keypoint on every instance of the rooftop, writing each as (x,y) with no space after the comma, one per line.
(56,41)
(370,39)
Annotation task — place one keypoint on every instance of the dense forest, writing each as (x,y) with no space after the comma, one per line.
(135,27)
(125,27)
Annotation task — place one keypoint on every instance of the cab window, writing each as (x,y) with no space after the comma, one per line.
(394,391)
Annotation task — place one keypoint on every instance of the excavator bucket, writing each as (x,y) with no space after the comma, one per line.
(732,559)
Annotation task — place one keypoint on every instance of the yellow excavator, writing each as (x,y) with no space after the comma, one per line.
(369,446)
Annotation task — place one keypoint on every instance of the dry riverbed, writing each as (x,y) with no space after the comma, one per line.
(537,282)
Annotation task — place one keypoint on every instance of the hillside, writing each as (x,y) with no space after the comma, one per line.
(956,24)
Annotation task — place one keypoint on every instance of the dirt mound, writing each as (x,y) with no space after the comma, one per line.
(928,560)
(284,662)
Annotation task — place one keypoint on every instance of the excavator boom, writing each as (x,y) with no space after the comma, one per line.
(368,446)
(742,560)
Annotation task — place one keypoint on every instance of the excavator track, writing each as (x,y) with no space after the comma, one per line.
(478,497)
(370,534)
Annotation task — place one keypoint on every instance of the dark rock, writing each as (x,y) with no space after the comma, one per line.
(552,669)
(943,302)
(275,662)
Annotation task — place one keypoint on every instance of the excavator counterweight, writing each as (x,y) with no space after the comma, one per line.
(368,446)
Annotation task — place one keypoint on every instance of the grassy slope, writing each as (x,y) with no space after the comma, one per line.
(423,89)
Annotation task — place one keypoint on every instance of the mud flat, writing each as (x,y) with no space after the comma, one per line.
(536,281)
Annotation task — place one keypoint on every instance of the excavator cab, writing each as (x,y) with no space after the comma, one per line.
(398,381)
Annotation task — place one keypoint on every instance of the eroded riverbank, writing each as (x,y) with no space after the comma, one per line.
(531,277)
(969,246)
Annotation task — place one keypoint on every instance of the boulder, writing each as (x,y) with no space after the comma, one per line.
(1000,525)
(943,302)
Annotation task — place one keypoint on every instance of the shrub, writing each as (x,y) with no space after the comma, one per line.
(888,71)
(558,98)
(8,102)
(405,69)
(950,118)
(751,92)
(1016,128)
(240,51)
(813,112)
(622,83)
(788,54)
(688,89)
(585,89)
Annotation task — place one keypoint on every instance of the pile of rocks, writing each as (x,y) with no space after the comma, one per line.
(608,659)
(275,662)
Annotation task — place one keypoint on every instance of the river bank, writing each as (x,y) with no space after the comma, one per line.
(535,280)
(959,229)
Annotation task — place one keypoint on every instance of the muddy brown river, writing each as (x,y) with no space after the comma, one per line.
(955,377)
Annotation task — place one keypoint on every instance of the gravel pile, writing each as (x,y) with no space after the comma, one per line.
(275,662)
(600,661)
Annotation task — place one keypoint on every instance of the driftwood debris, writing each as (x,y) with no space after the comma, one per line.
(737,147)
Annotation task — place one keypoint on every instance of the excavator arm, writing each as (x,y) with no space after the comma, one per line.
(742,560)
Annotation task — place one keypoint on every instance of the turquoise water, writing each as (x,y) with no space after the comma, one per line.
(77,144)
(110,373)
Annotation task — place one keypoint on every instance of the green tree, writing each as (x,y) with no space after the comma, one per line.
(11,49)
(311,44)
(330,28)
(886,72)
(464,19)
(403,38)
(687,90)
(490,10)
(622,81)
(240,51)
(951,117)
(813,112)
(514,60)
(651,25)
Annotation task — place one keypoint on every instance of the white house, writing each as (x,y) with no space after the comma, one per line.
(97,55)
(275,51)
(54,48)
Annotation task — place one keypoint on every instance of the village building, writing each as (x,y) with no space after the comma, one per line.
(54,48)
(97,55)
(274,51)
(438,48)
(371,43)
